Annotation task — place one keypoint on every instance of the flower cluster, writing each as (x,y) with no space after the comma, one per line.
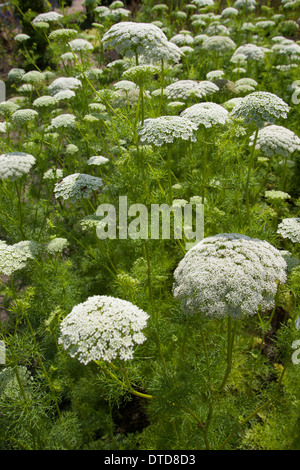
(229,274)
(104,328)
(186,89)
(129,38)
(64,83)
(15,257)
(47,17)
(207,114)
(76,186)
(261,107)
(166,129)
(276,140)
(57,245)
(251,52)
(79,45)
(64,121)
(15,164)
(220,44)
(23,116)
(290,228)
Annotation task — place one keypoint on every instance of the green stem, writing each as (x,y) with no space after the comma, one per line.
(230,340)
(250,167)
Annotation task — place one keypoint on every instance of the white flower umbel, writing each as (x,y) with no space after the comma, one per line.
(167,129)
(64,83)
(24,116)
(97,160)
(48,17)
(62,34)
(290,228)
(33,77)
(261,107)
(16,164)
(77,186)
(206,114)
(220,44)
(57,245)
(15,257)
(43,102)
(64,121)
(229,274)
(104,328)
(81,45)
(276,140)
(134,39)
(245,5)
(186,89)
(251,51)
(64,95)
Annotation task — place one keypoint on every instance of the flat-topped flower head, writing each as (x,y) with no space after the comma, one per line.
(229,12)
(290,228)
(140,73)
(261,107)
(203,3)
(8,107)
(15,257)
(219,44)
(64,121)
(48,17)
(43,102)
(125,85)
(182,40)
(63,34)
(64,95)
(276,196)
(103,328)
(33,77)
(206,114)
(167,129)
(245,5)
(186,89)
(97,160)
(276,140)
(215,74)
(21,37)
(15,164)
(81,45)
(229,274)
(251,52)
(64,83)
(77,186)
(57,245)
(129,38)
(15,75)
(23,116)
